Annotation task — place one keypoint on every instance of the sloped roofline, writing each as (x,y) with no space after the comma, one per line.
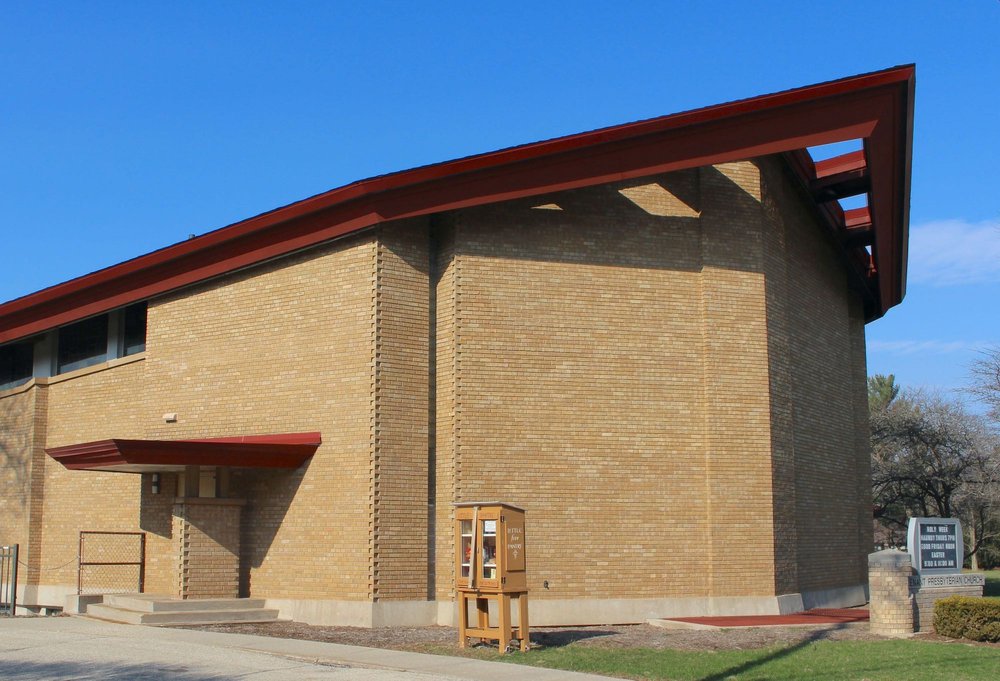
(875,107)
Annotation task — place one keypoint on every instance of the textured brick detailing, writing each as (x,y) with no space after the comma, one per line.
(400,492)
(374,473)
(444,398)
(891,611)
(207,535)
(39,460)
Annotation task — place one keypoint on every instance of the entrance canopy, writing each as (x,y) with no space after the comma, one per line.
(289,450)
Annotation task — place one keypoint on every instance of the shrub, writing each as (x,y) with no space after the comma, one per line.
(977,619)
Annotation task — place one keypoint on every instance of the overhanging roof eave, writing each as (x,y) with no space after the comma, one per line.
(865,106)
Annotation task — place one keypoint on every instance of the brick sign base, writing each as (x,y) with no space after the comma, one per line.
(902,602)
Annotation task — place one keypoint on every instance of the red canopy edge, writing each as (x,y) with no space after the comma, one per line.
(286,450)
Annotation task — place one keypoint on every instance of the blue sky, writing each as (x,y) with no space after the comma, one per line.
(126,126)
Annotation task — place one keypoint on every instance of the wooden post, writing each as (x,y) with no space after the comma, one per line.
(522,621)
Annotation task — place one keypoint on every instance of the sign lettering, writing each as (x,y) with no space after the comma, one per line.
(935,545)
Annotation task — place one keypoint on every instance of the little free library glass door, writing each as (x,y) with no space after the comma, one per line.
(490,547)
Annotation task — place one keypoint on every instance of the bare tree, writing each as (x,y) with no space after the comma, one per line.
(986,380)
(931,458)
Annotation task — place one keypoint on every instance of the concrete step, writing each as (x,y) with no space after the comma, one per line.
(183,617)
(106,612)
(155,603)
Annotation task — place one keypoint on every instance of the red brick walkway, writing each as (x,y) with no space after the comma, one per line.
(817,616)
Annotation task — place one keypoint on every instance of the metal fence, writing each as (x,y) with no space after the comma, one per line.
(111,562)
(8,580)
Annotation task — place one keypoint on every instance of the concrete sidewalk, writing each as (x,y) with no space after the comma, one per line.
(78,648)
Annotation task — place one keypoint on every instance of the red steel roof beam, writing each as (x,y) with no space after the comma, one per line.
(836,165)
(841,176)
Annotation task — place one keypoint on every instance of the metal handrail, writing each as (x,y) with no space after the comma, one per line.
(8,580)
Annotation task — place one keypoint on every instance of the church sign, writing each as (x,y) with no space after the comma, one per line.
(935,545)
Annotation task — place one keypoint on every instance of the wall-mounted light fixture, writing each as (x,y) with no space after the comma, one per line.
(155,486)
(170,417)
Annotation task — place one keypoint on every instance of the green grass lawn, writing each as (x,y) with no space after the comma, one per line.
(902,660)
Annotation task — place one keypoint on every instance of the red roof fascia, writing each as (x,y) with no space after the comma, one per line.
(876,107)
(289,450)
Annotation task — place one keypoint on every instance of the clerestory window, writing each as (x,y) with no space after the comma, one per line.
(16,364)
(119,333)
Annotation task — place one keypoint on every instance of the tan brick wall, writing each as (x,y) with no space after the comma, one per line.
(818,339)
(400,475)
(17,418)
(779,340)
(22,412)
(735,407)
(578,388)
(96,405)
(444,399)
(668,374)
(156,520)
(892,607)
(664,371)
(207,540)
(862,440)
(285,347)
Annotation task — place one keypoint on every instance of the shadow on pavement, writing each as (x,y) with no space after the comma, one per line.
(80,671)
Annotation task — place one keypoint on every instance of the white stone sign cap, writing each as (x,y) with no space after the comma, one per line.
(935,545)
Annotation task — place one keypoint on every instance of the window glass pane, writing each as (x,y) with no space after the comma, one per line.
(466,529)
(489,564)
(135,329)
(83,344)
(16,362)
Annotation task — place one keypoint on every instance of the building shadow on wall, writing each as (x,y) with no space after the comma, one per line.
(156,510)
(658,222)
(15,461)
(269,494)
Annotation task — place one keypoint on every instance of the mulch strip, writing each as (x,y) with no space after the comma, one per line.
(817,616)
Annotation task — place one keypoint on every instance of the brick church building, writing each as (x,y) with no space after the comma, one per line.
(651,337)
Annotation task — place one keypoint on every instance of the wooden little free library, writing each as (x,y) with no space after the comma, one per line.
(490,565)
